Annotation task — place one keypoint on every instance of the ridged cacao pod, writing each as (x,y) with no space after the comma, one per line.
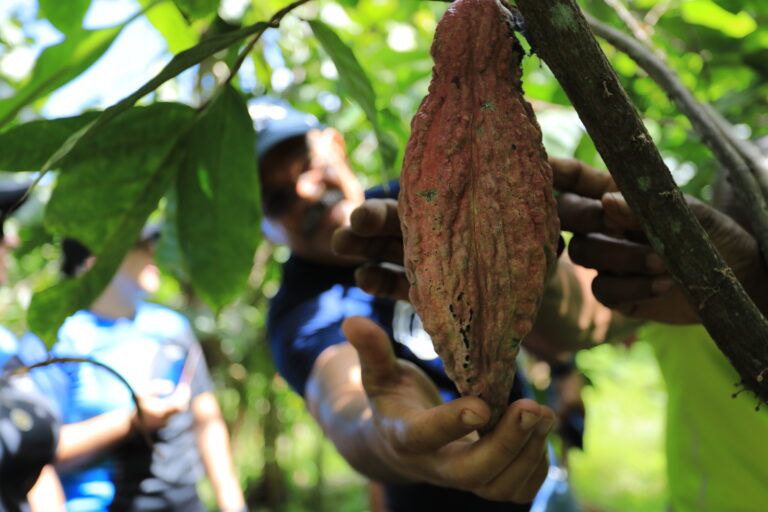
(478,215)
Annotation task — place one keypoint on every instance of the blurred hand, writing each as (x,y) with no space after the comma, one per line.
(374,235)
(157,405)
(422,439)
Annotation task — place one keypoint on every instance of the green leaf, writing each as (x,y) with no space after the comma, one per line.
(197,8)
(104,198)
(178,64)
(26,147)
(357,85)
(59,64)
(218,200)
(709,14)
(67,16)
(167,19)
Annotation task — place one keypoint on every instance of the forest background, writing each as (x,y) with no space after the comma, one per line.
(362,66)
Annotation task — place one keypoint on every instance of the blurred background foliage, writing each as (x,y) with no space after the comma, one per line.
(719,48)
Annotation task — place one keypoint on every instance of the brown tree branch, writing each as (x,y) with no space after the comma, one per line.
(561,36)
(743,159)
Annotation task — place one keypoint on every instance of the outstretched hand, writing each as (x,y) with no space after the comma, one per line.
(419,438)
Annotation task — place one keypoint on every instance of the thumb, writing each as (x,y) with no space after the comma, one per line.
(378,364)
(430,429)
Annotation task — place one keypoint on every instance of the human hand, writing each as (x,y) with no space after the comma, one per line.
(633,279)
(157,405)
(418,438)
(374,235)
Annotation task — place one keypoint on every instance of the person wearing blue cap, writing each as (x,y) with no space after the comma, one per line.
(28,423)
(104,461)
(364,364)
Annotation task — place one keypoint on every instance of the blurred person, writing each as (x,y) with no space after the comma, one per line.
(103,460)
(365,366)
(28,424)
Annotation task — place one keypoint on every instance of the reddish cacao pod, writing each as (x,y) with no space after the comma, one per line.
(478,215)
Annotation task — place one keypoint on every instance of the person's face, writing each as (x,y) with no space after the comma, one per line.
(139,266)
(310,190)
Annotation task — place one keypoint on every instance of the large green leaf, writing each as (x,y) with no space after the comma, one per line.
(218,200)
(178,64)
(28,146)
(104,198)
(356,83)
(197,8)
(59,64)
(167,19)
(67,16)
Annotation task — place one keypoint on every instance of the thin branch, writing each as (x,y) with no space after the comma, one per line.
(657,11)
(273,22)
(143,428)
(629,20)
(743,159)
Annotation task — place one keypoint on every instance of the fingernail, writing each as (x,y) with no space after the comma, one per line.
(471,419)
(544,426)
(654,263)
(661,285)
(528,420)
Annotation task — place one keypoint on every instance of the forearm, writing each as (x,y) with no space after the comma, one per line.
(215,452)
(336,399)
(47,494)
(92,435)
(570,317)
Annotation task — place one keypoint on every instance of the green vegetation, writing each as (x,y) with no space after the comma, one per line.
(362,66)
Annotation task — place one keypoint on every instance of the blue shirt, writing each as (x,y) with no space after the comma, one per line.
(157,343)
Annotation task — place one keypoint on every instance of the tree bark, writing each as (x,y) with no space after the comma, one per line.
(560,35)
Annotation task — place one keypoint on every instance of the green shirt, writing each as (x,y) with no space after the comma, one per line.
(717,446)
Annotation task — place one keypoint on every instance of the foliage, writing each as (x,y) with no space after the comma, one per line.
(359,65)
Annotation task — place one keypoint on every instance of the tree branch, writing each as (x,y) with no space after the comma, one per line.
(743,159)
(560,34)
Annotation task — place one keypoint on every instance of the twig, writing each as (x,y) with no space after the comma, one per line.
(54,360)
(743,159)
(629,20)
(273,22)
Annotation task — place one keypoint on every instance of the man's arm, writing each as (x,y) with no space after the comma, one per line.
(213,442)
(94,435)
(388,421)
(47,495)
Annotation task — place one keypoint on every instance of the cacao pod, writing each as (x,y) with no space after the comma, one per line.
(478,215)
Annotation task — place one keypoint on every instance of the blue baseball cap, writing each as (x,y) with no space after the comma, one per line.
(275,121)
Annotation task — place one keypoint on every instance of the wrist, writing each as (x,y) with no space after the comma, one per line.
(379,459)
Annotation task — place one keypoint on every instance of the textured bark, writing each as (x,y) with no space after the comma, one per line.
(558,31)
(479,219)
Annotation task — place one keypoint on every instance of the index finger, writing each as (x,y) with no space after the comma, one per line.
(575,176)
(376,217)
